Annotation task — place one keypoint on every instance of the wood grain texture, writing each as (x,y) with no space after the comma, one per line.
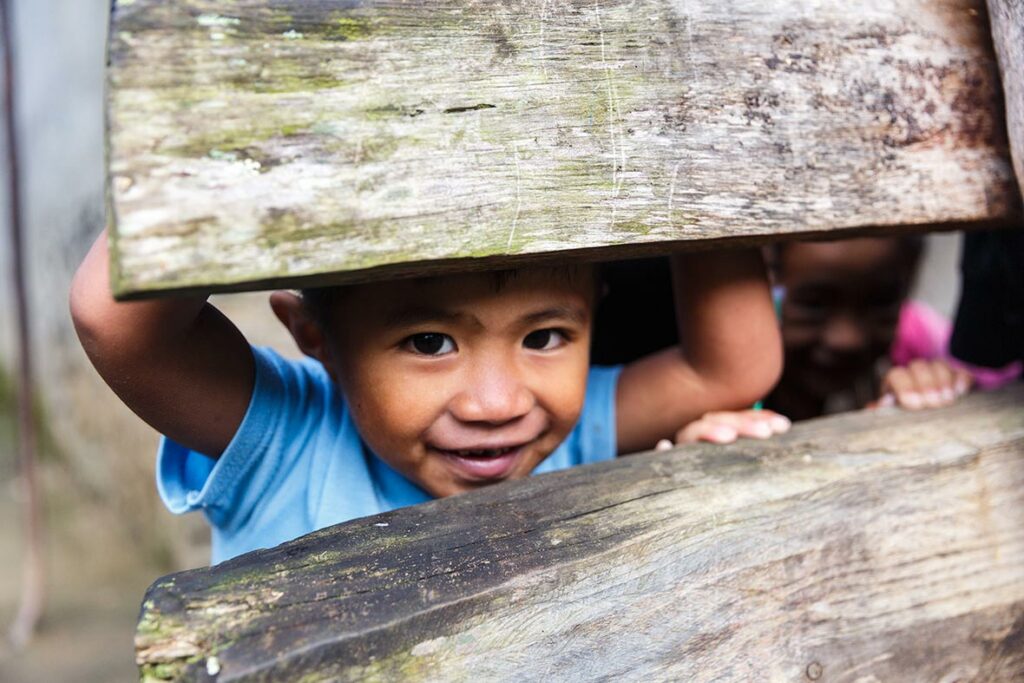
(882,546)
(275,142)
(1007,19)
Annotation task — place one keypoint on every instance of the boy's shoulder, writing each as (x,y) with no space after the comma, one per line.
(295,442)
(303,373)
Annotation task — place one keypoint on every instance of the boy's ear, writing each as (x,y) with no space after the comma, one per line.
(305,330)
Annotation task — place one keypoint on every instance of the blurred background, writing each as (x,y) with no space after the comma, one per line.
(107,535)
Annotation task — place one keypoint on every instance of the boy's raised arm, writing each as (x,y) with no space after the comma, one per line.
(178,363)
(729,357)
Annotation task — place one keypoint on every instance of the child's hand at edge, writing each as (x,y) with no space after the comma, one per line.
(923,384)
(727,426)
(176,362)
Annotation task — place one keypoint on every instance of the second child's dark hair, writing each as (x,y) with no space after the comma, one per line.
(911,248)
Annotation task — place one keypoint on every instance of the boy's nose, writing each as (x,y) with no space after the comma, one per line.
(494,394)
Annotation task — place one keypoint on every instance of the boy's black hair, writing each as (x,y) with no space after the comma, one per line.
(320,301)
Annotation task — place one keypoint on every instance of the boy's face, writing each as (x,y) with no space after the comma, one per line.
(841,309)
(458,382)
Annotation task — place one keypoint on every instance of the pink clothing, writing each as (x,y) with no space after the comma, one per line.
(924,334)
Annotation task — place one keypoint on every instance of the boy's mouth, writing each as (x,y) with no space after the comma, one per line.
(482,453)
(482,464)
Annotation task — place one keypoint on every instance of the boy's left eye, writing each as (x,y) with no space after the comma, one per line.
(430,344)
(544,340)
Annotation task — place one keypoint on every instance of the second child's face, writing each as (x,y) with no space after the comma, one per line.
(457,382)
(840,310)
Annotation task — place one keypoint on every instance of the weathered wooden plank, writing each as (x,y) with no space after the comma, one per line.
(873,546)
(1007,19)
(268,142)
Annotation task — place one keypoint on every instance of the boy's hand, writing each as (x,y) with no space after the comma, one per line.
(729,356)
(727,426)
(923,384)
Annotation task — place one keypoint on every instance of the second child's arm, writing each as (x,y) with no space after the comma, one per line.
(729,357)
(178,363)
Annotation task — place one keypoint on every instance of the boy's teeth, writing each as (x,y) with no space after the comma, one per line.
(483,453)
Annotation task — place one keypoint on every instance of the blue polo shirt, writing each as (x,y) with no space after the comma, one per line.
(297,463)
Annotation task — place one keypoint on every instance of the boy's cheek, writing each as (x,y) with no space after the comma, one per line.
(563,387)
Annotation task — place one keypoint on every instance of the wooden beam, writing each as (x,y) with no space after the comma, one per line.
(265,143)
(1007,19)
(870,546)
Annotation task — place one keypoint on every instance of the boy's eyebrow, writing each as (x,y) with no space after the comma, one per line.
(417,314)
(576,314)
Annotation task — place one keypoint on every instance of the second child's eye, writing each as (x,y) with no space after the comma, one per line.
(431,344)
(544,340)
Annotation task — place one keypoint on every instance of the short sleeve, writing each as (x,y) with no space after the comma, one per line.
(284,407)
(598,440)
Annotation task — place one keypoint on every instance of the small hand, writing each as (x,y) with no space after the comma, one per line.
(727,426)
(923,384)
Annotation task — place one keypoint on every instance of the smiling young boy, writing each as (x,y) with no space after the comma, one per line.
(412,389)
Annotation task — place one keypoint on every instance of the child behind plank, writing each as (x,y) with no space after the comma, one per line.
(851,336)
(412,389)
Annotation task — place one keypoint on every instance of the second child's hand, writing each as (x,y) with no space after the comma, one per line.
(923,384)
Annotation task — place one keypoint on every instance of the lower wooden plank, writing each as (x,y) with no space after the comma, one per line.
(872,546)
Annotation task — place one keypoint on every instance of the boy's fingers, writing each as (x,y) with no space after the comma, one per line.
(780,423)
(722,433)
(726,427)
(707,429)
(762,424)
(731,418)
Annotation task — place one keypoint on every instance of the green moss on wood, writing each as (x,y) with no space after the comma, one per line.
(342,27)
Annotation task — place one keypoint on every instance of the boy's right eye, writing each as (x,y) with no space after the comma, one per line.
(430,344)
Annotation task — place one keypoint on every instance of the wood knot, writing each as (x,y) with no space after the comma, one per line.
(814,671)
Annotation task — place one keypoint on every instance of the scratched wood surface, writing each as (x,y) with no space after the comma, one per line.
(1007,20)
(259,143)
(881,546)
